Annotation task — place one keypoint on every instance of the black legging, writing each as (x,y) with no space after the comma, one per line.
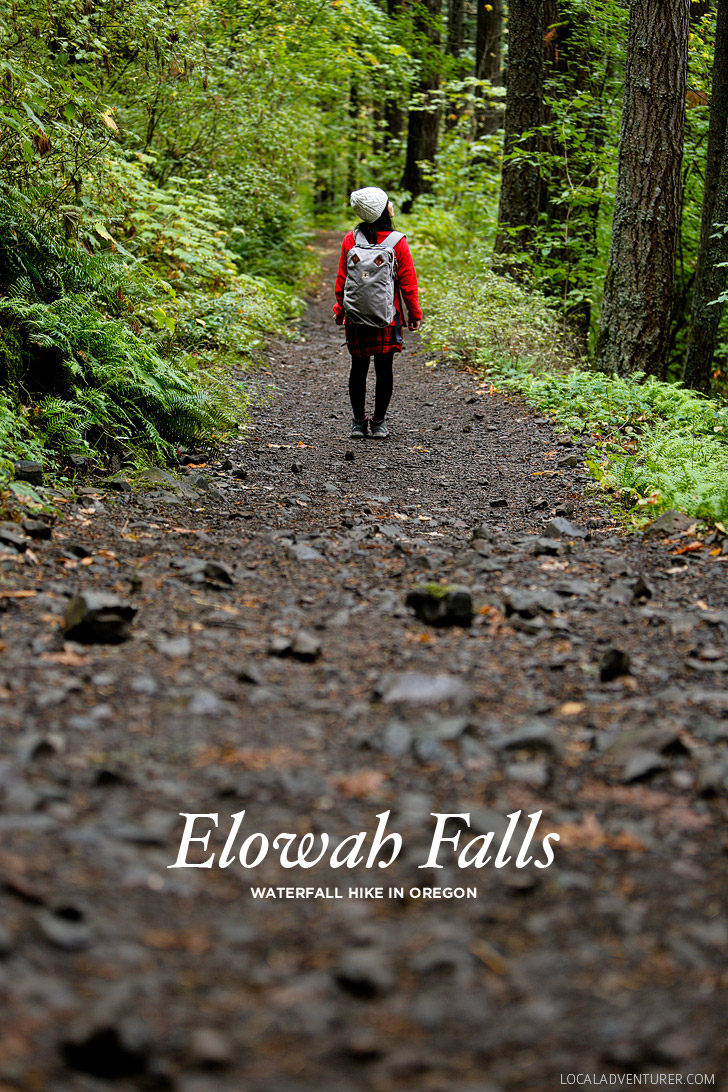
(358,384)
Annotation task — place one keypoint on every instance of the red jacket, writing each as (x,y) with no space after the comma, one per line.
(406,278)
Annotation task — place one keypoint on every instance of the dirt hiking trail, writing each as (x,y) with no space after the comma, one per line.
(274,667)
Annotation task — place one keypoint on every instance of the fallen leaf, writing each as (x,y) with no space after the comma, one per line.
(363,783)
(17,594)
(571,708)
(690,548)
(585,835)
(490,956)
(67,658)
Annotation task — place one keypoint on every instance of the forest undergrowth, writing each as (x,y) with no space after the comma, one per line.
(655,445)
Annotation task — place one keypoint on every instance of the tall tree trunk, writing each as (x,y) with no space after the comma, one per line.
(454,48)
(393,116)
(456,27)
(489,62)
(520,178)
(570,176)
(424,123)
(635,325)
(710,278)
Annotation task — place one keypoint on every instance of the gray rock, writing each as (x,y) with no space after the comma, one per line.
(713,778)
(119,484)
(530,604)
(441,604)
(155,475)
(670,522)
(299,551)
(96,618)
(536,774)
(663,739)
(641,590)
(65,929)
(613,664)
(250,673)
(569,461)
(546,547)
(204,703)
(215,573)
(303,646)
(539,735)
(563,528)
(445,729)
(108,1044)
(197,480)
(6,941)
(210,1049)
(175,647)
(415,688)
(397,739)
(38,529)
(26,470)
(144,684)
(641,765)
(366,973)
(581,588)
(10,535)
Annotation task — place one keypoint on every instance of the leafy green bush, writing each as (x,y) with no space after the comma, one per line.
(95,382)
(469,308)
(86,371)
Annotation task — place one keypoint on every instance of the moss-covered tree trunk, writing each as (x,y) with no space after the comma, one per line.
(489,63)
(638,287)
(424,122)
(710,273)
(521,180)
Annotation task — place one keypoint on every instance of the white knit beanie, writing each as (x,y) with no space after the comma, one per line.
(369,203)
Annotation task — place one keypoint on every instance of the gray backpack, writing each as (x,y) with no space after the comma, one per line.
(371,281)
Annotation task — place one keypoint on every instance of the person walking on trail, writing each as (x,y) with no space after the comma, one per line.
(375,272)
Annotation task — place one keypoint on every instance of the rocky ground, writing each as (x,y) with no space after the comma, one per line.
(275,666)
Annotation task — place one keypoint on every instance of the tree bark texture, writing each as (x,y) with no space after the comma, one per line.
(638,287)
(710,279)
(489,62)
(456,27)
(424,124)
(520,179)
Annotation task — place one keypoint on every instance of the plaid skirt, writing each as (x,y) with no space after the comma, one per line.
(367,340)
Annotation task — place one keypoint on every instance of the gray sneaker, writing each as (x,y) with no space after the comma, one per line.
(359,429)
(378,430)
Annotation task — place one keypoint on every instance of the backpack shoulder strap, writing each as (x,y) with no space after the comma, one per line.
(392,239)
(360,238)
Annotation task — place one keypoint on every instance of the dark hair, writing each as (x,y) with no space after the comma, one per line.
(382,223)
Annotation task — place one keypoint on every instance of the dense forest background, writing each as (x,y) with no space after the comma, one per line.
(560,165)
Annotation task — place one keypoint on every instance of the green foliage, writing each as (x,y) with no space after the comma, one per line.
(17,439)
(470,309)
(79,368)
(98,383)
(656,445)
